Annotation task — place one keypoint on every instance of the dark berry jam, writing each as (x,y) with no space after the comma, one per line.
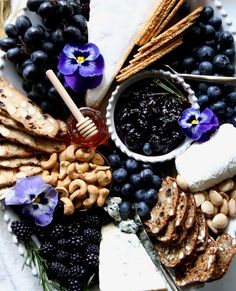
(146,117)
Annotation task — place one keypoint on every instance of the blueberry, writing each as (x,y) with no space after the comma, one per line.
(195,72)
(147,149)
(120,175)
(115,190)
(216,22)
(205,53)
(143,209)
(139,195)
(131,165)
(233,120)
(135,179)
(127,190)
(203,100)
(146,175)
(126,210)
(229,70)
(214,92)
(209,32)
(226,39)
(205,68)
(220,62)
(114,161)
(230,53)
(231,98)
(150,196)
(202,87)
(219,107)
(229,112)
(156,181)
(207,13)
(188,64)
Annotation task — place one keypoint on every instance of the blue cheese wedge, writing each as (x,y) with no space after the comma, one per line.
(114,27)
(125,265)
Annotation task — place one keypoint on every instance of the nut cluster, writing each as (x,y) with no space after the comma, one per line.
(218,204)
(80,176)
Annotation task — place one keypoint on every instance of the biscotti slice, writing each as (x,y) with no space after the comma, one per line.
(9,150)
(202,239)
(8,177)
(35,142)
(224,256)
(174,254)
(24,111)
(191,217)
(165,207)
(170,233)
(200,270)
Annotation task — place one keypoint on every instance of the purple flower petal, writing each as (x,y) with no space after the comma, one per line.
(12,199)
(91,51)
(76,82)
(67,66)
(71,50)
(92,68)
(188,115)
(93,82)
(40,218)
(206,115)
(51,195)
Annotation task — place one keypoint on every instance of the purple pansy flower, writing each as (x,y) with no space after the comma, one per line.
(198,126)
(38,199)
(82,66)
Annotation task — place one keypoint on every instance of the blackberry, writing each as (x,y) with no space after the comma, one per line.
(92,235)
(91,248)
(74,242)
(92,220)
(74,229)
(78,271)
(58,232)
(74,285)
(43,233)
(75,258)
(62,256)
(91,261)
(47,250)
(22,229)
(59,211)
(58,271)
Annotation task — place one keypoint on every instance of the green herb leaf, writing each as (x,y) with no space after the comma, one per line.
(169,87)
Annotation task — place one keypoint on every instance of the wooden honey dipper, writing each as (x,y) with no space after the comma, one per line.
(85,125)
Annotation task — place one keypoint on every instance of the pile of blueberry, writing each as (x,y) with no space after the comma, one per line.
(209,50)
(34,48)
(70,245)
(136,183)
(146,118)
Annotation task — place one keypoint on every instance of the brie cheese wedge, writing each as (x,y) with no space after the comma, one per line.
(124,264)
(114,27)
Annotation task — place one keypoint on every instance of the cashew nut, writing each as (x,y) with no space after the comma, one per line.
(78,203)
(102,178)
(88,177)
(78,195)
(68,154)
(102,196)
(48,178)
(49,164)
(101,168)
(78,184)
(98,159)
(63,169)
(65,182)
(93,195)
(63,192)
(84,154)
(71,172)
(82,167)
(68,206)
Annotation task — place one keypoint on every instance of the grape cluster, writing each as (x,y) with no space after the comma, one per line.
(209,50)
(34,48)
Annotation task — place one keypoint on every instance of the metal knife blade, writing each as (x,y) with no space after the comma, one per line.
(150,249)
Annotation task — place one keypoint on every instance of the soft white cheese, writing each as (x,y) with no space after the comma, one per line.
(124,263)
(113,27)
(204,165)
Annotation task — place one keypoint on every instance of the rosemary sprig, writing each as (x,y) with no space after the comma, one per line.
(170,87)
(33,257)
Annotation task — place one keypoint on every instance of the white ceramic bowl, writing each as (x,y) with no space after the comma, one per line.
(111,111)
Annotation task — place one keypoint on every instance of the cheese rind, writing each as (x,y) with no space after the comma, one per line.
(125,265)
(114,27)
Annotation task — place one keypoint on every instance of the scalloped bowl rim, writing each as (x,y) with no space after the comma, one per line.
(111,109)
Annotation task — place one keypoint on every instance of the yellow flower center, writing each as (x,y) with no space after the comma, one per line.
(80,59)
(194,122)
(37,200)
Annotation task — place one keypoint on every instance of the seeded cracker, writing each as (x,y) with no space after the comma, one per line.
(9,150)
(17,162)
(24,111)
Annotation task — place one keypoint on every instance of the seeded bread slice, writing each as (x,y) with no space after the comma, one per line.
(174,254)
(165,207)
(190,220)
(202,239)
(199,270)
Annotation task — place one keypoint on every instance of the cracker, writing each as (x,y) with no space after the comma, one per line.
(8,177)
(4,192)
(40,144)
(149,60)
(8,121)
(9,150)
(17,162)
(24,111)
